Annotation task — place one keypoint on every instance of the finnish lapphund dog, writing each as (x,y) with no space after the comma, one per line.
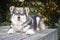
(21,21)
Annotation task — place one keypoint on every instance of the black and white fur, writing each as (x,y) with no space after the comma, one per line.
(20,20)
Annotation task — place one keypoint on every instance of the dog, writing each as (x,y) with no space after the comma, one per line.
(20,21)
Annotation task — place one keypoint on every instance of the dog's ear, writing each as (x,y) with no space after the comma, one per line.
(26,10)
(11,8)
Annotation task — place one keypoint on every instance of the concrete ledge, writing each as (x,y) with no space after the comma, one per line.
(48,34)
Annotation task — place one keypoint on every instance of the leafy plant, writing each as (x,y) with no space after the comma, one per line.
(5,23)
(58,27)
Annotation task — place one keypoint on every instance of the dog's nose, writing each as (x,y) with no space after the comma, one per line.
(18,18)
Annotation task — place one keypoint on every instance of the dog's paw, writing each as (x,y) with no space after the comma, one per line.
(30,31)
(11,31)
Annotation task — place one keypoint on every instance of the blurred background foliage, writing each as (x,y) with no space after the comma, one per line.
(49,10)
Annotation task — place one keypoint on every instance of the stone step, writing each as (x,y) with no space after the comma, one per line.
(48,34)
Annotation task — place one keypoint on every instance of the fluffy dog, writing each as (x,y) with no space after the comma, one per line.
(20,21)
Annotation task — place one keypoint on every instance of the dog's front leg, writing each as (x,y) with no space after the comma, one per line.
(11,31)
(30,31)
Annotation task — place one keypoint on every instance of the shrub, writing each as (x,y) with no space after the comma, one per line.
(58,27)
(5,23)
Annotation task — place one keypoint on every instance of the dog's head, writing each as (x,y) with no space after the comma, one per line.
(17,11)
